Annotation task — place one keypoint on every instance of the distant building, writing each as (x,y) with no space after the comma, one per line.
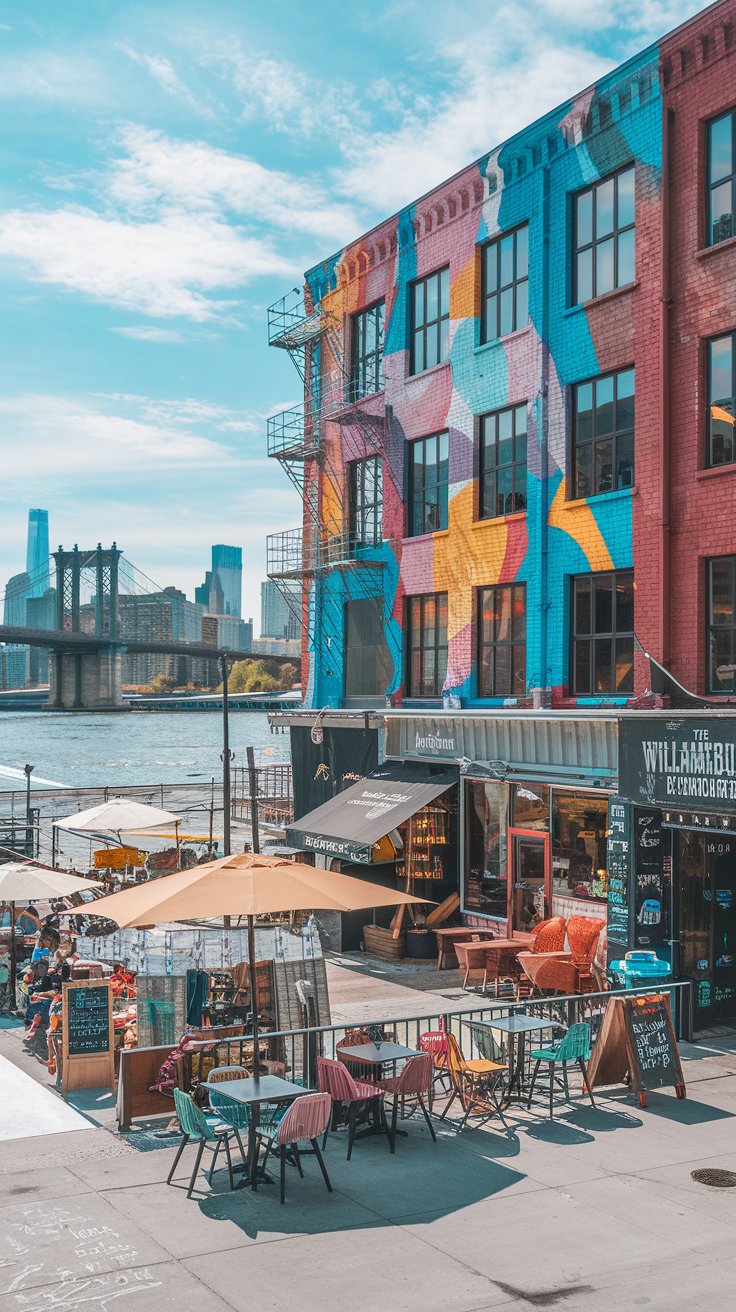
(37,552)
(17,592)
(41,614)
(278,647)
(222,590)
(165,616)
(278,618)
(13,666)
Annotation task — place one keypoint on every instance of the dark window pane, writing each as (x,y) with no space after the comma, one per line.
(503,671)
(624,604)
(722,573)
(491,260)
(418,304)
(444,339)
(604,281)
(432,349)
(522,304)
(581,668)
(624,472)
(507,311)
(602,672)
(584,411)
(625,399)
(721,163)
(721,212)
(720,353)
(603,610)
(603,467)
(491,318)
(582,606)
(445,290)
(522,252)
(626,258)
(624,665)
(418,352)
(507,260)
(604,406)
(432,299)
(604,208)
(584,471)
(584,218)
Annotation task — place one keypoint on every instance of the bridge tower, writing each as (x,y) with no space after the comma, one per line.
(87,681)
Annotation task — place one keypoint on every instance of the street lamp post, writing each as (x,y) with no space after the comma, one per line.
(28,771)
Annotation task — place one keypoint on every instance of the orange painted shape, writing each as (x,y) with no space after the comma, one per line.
(580,524)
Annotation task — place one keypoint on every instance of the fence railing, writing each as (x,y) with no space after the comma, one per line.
(299,1048)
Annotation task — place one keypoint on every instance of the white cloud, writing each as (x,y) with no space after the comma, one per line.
(144,333)
(177,265)
(45,75)
(165,75)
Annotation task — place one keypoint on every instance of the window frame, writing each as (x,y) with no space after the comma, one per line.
(512,644)
(595,241)
(593,636)
(432,325)
(360,361)
(488,473)
(494,244)
(614,437)
(728,177)
(357,504)
(710,401)
(412,531)
(420,602)
(710,626)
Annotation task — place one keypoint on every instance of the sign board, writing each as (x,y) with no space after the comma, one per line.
(117,858)
(685,763)
(651,890)
(619,869)
(637,1042)
(87,1035)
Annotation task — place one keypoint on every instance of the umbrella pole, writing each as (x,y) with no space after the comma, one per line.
(253,991)
(11,973)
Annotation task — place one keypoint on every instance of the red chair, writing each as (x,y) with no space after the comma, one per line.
(413,1082)
(549,935)
(307,1118)
(349,1096)
(436,1043)
(583,934)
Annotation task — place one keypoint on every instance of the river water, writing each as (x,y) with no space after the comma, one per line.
(151,747)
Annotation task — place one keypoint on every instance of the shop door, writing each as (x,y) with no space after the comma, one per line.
(530,893)
(706,893)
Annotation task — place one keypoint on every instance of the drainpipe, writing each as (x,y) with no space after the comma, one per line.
(544,667)
(665,304)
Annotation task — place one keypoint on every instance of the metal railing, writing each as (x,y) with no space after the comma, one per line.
(299,1048)
(290,324)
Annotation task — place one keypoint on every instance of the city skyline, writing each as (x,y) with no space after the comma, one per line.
(190,172)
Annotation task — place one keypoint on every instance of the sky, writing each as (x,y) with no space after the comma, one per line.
(169,171)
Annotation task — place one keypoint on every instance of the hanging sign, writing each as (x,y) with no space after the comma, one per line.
(688,763)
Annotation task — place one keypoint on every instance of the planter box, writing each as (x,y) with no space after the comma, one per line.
(381,943)
(421,944)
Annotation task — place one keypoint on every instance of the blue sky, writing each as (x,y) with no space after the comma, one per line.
(170,170)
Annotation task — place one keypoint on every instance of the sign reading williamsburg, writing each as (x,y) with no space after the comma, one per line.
(679,762)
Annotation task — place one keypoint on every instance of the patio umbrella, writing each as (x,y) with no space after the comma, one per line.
(118,816)
(21,882)
(245,884)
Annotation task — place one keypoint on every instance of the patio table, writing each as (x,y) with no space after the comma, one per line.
(517,1026)
(374,1054)
(472,955)
(446,940)
(252,1092)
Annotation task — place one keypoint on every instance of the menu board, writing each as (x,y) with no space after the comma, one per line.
(88,1019)
(655,1058)
(618,865)
(650,900)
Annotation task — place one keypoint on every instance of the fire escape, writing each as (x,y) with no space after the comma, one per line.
(301,560)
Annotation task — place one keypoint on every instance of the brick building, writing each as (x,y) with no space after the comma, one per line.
(515,485)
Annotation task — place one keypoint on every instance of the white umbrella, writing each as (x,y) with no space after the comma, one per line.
(118,816)
(21,882)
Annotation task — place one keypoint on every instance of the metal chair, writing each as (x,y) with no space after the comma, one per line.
(195,1125)
(306,1119)
(348,1095)
(413,1081)
(435,1043)
(474,1082)
(573,1047)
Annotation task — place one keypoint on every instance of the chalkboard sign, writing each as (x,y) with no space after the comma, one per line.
(651,900)
(618,865)
(88,1020)
(655,1059)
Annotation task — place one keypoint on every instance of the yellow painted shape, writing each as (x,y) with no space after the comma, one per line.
(580,524)
(464,559)
(463,289)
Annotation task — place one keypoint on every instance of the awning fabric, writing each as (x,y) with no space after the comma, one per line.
(351,822)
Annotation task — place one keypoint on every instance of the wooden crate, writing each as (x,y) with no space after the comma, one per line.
(381,943)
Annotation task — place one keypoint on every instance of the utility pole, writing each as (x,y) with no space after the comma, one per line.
(28,770)
(227,756)
(253,790)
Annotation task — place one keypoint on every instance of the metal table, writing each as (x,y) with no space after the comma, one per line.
(252,1092)
(515,1026)
(376,1055)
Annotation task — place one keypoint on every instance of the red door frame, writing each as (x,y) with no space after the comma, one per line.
(541,837)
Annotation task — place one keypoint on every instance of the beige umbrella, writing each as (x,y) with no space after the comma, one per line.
(22,882)
(246,884)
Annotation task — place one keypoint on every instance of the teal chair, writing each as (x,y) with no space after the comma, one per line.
(206,1131)
(573,1047)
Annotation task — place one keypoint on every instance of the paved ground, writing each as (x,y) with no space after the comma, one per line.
(362,988)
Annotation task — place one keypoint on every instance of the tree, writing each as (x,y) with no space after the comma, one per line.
(253,676)
(289,675)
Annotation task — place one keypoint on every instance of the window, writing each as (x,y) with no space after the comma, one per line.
(505,284)
(579,828)
(430,320)
(721,403)
(485,890)
(502,462)
(603,433)
(366,374)
(721,177)
(426,644)
(722,624)
(428,479)
(530,806)
(502,641)
(604,237)
(365,502)
(603,633)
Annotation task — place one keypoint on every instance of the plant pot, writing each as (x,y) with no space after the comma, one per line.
(421,944)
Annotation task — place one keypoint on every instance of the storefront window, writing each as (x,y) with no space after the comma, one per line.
(579,824)
(531,806)
(485,889)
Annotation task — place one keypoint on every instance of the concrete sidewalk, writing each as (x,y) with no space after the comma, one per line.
(596,1210)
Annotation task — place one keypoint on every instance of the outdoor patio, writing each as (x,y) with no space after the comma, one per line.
(479,1220)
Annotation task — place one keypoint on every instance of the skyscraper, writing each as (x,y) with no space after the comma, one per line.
(37,553)
(278,618)
(227,564)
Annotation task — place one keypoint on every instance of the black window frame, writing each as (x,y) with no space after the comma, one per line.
(490,465)
(592,636)
(419,604)
(711,186)
(413,528)
(359,507)
(727,403)
(712,627)
(491,300)
(366,366)
(439,326)
(617,437)
(515,643)
(595,240)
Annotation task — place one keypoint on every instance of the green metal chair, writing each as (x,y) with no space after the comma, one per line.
(573,1047)
(205,1131)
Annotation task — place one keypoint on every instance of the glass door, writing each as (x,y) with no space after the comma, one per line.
(705,873)
(530,895)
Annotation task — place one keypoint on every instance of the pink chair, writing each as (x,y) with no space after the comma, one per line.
(413,1082)
(349,1096)
(307,1118)
(435,1042)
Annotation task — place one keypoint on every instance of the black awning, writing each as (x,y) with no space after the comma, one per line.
(351,822)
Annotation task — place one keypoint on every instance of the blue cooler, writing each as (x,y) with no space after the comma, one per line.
(639,969)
